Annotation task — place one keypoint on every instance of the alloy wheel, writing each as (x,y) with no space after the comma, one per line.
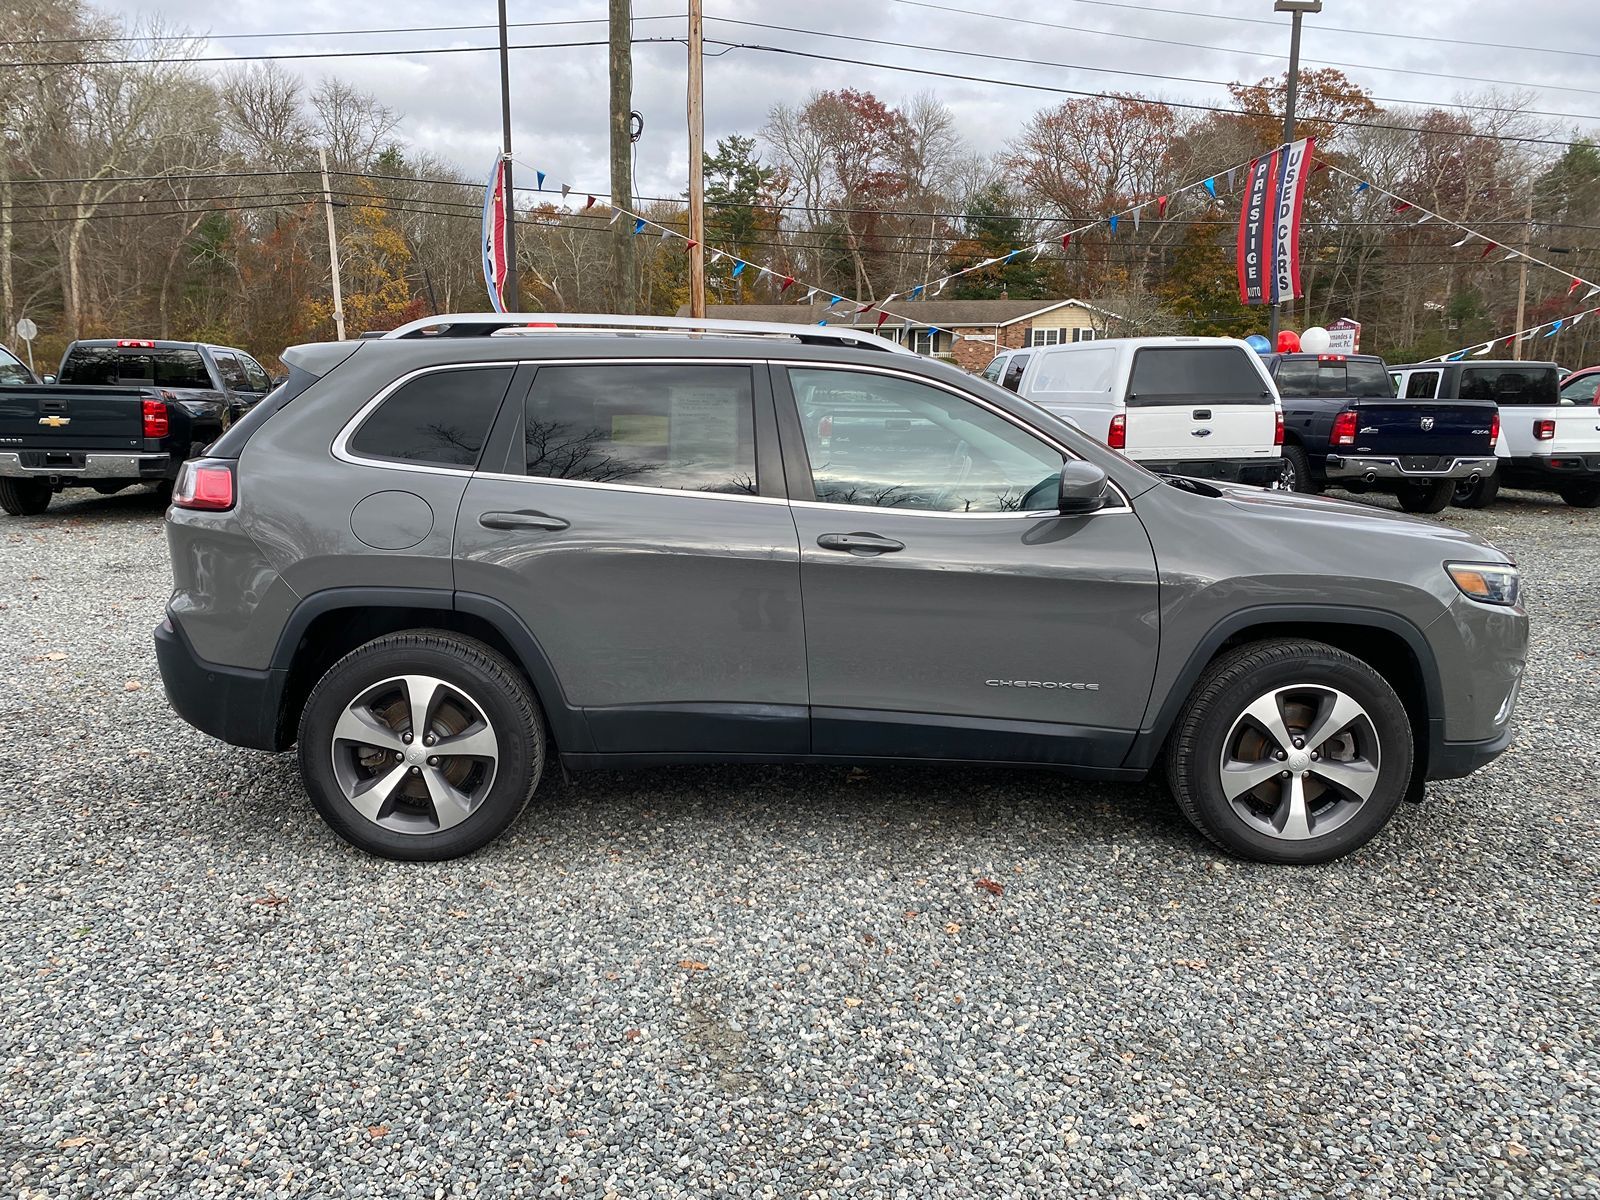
(414,754)
(1300,761)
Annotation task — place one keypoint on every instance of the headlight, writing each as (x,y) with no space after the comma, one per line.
(1490,583)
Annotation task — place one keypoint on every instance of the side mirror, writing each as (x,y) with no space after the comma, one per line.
(1083,488)
(47,379)
(278,381)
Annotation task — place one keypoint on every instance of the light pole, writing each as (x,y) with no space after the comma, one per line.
(1298,9)
(509,293)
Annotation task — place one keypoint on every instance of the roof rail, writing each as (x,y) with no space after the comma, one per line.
(488,324)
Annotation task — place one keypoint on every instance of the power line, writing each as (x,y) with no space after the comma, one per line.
(238,37)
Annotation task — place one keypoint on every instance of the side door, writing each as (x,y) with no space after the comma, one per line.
(632,514)
(235,383)
(950,610)
(1188,402)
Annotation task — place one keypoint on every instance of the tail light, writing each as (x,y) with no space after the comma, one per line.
(1544,431)
(1277,429)
(1117,435)
(1494,428)
(156,424)
(206,484)
(1344,429)
(135,344)
(1330,358)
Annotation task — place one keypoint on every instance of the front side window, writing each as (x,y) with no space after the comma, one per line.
(1187,375)
(1511,385)
(1014,370)
(11,369)
(254,372)
(688,426)
(1423,385)
(883,441)
(439,419)
(1581,390)
(996,367)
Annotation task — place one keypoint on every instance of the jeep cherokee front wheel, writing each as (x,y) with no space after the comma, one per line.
(421,745)
(1290,752)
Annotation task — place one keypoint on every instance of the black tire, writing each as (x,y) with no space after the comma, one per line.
(1297,475)
(1214,715)
(1582,495)
(24,497)
(1477,495)
(1426,497)
(474,676)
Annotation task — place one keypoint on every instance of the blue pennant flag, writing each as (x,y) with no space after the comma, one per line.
(1459,354)
(1362,186)
(1010,256)
(1556,328)
(638,225)
(1211,186)
(738,268)
(540,174)
(835,300)
(933,331)
(824,321)
(1112,221)
(916,293)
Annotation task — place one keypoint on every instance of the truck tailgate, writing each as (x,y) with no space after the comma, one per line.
(53,417)
(1453,428)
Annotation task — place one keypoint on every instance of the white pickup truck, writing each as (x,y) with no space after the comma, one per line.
(1549,434)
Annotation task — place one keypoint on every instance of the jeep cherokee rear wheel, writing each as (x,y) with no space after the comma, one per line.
(421,745)
(1290,752)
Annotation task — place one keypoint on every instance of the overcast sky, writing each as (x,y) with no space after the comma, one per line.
(451,106)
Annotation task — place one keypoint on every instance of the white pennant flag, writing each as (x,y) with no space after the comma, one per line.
(1528,337)
(939,287)
(1231,172)
(615,213)
(810,294)
(1487,346)
(1037,250)
(1136,219)
(1576,319)
(1594,290)
(1509,257)
(665,234)
(566,188)
(1424,218)
(1462,242)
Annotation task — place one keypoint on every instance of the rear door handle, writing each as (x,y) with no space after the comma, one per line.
(520,520)
(859,543)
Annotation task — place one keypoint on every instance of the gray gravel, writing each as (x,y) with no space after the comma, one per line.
(764,982)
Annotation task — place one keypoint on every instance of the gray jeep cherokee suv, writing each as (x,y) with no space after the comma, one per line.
(437,558)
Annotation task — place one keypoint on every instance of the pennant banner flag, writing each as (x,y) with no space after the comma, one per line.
(494,235)
(1255,219)
(1269,224)
(1290,201)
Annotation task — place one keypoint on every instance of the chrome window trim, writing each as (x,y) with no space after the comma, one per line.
(1038,434)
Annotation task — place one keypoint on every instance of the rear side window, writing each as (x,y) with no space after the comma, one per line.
(1183,374)
(231,371)
(440,419)
(107,366)
(1368,379)
(1014,370)
(1510,385)
(1076,371)
(1296,378)
(1423,385)
(685,426)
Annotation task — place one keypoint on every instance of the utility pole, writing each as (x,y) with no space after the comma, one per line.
(1522,275)
(697,158)
(1298,9)
(333,246)
(509,293)
(621,64)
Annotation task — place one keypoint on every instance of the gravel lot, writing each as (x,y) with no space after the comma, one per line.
(772,982)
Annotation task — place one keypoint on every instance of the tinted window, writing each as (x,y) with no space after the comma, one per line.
(1076,371)
(1580,390)
(111,367)
(1296,377)
(441,418)
(1014,370)
(12,370)
(1510,385)
(683,426)
(887,442)
(1367,379)
(1423,385)
(232,373)
(1182,374)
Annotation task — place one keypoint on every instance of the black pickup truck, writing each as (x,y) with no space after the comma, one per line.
(120,412)
(1343,424)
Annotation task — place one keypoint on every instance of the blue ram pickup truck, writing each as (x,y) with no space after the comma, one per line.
(1344,425)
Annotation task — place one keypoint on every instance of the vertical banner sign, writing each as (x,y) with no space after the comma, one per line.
(1255,218)
(1294,170)
(494,235)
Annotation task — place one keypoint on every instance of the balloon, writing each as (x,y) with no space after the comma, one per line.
(1288,341)
(1258,343)
(1315,340)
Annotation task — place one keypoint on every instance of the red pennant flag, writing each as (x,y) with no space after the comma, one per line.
(1319,165)
(788,282)
(1576,284)
(882,317)
(1489,249)
(1161,206)
(689,244)
(1401,206)
(588,203)
(866,308)
(1066,240)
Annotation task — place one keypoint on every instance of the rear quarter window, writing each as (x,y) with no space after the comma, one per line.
(1511,385)
(1182,374)
(1076,371)
(1368,379)
(440,419)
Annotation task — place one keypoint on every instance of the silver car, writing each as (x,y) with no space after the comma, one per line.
(437,558)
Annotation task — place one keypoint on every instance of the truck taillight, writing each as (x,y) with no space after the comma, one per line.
(1494,428)
(1544,431)
(1277,429)
(156,424)
(1344,429)
(1117,435)
(204,483)
(135,344)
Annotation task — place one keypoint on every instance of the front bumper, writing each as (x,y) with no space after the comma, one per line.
(1454,760)
(68,466)
(1259,472)
(1409,467)
(235,705)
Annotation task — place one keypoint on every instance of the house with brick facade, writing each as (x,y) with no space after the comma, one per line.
(970,332)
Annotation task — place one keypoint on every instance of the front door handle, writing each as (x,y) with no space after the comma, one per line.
(859,543)
(520,520)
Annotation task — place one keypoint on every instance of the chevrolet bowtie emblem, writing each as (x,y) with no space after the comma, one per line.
(55,422)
